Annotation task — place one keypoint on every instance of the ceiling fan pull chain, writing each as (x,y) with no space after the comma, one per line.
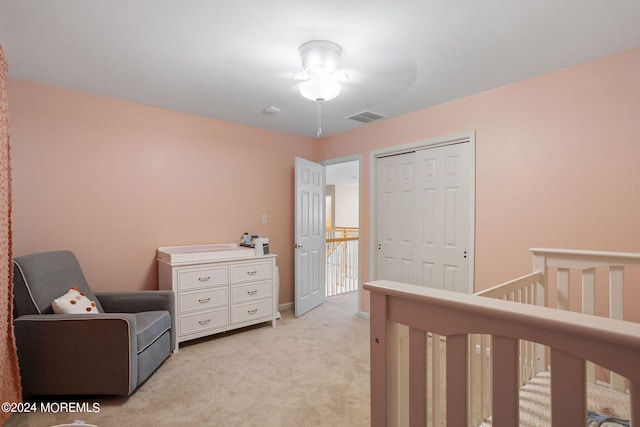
(319,118)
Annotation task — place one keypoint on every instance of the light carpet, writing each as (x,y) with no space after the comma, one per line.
(309,371)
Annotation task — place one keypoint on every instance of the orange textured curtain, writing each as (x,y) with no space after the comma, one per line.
(9,372)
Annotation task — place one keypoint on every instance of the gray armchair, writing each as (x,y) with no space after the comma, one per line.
(110,353)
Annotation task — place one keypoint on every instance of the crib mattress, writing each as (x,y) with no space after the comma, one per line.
(535,402)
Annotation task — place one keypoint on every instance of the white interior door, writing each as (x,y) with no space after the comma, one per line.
(309,235)
(424,217)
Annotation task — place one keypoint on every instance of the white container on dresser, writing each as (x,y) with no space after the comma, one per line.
(218,287)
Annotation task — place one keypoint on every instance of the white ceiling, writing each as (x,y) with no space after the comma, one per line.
(231,59)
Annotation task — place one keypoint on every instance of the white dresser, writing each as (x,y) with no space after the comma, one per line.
(218,287)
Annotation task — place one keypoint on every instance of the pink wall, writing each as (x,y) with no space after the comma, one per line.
(557,162)
(113,180)
(556,165)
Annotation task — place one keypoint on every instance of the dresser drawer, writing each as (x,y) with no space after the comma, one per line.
(250,272)
(247,312)
(194,278)
(250,291)
(207,320)
(203,300)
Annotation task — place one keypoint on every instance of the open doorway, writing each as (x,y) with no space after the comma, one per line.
(343,227)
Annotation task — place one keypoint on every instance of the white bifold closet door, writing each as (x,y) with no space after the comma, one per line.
(424,212)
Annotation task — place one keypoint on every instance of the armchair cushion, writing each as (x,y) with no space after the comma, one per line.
(150,325)
(74,302)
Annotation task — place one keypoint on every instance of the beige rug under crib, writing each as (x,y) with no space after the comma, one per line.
(535,402)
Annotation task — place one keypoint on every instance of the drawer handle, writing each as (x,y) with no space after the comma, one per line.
(204,322)
(252,273)
(204,279)
(254,311)
(204,300)
(253,292)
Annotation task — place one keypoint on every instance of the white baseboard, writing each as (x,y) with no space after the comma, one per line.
(290,305)
(285,306)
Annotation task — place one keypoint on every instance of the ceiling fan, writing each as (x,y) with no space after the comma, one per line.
(320,74)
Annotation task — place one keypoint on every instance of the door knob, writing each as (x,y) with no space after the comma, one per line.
(298,246)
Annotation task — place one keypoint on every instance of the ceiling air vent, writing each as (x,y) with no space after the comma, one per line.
(366,117)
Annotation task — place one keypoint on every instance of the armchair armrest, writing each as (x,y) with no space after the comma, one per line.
(139,301)
(94,351)
(136,302)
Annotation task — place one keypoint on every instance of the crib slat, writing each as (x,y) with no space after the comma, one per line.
(417,377)
(479,378)
(616,293)
(589,307)
(487,400)
(634,392)
(504,354)
(589,291)
(457,395)
(540,298)
(435,379)
(378,362)
(616,311)
(563,289)
(568,389)
(400,409)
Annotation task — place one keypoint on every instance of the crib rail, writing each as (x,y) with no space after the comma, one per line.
(572,281)
(584,263)
(573,338)
(528,289)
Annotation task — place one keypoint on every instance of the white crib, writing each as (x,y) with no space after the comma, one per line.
(438,356)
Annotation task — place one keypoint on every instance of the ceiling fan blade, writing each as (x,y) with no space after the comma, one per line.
(301,75)
(340,75)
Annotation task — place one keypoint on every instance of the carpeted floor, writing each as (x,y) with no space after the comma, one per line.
(310,371)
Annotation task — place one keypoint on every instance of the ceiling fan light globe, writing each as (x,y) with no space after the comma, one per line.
(319,89)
